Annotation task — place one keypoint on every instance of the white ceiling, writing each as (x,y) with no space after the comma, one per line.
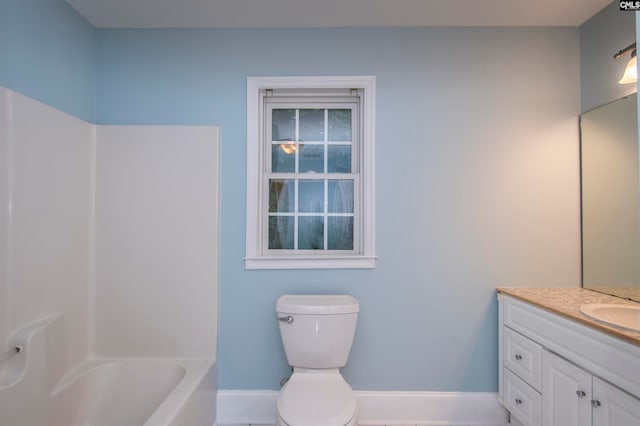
(334,13)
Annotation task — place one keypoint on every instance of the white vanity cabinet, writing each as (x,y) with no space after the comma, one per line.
(557,372)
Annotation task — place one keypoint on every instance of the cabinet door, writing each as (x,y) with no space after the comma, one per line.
(613,407)
(566,393)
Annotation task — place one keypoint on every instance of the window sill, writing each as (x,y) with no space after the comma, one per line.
(316,262)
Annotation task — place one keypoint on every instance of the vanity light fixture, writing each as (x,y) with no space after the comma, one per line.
(288,148)
(631,71)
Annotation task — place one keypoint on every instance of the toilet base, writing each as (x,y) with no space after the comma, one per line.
(280,422)
(317,398)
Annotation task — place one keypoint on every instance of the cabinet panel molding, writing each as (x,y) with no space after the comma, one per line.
(613,407)
(523,357)
(566,400)
(522,400)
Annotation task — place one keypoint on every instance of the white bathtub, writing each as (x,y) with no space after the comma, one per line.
(135,392)
(36,391)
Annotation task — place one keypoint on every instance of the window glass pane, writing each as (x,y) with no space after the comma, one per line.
(339,159)
(340,233)
(311,125)
(340,196)
(340,125)
(283,124)
(283,158)
(281,232)
(311,196)
(281,195)
(311,233)
(311,158)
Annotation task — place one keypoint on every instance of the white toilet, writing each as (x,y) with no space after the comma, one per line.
(317,332)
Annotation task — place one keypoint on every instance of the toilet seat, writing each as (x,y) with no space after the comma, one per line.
(317,399)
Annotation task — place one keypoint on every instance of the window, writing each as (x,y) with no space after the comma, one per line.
(310,177)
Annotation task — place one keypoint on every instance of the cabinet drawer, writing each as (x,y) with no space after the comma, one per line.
(523,357)
(521,400)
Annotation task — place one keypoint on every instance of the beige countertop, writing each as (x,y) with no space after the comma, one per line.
(567,301)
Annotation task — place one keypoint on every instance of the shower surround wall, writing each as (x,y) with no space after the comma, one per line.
(155,292)
(46,191)
(114,227)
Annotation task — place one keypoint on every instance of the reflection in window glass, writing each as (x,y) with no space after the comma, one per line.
(340,233)
(310,233)
(311,196)
(311,125)
(339,159)
(311,158)
(340,196)
(281,234)
(281,195)
(281,160)
(283,125)
(340,125)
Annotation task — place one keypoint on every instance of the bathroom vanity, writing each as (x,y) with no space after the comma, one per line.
(558,367)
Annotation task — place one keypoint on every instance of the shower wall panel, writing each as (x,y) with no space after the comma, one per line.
(46,194)
(156,241)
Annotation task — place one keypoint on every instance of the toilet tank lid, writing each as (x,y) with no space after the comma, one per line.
(317,304)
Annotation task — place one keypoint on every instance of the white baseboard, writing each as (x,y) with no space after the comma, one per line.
(376,408)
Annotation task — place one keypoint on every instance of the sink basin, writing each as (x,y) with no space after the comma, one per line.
(625,316)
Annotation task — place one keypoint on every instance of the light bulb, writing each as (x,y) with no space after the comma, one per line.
(630,72)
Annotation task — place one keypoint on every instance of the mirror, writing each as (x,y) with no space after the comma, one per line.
(610,213)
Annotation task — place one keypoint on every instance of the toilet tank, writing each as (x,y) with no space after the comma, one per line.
(317,330)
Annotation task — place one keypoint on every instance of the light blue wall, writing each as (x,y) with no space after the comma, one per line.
(477,172)
(601,37)
(48,52)
(477,183)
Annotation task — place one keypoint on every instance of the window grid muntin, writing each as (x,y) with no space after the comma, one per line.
(333,103)
(296,176)
(296,213)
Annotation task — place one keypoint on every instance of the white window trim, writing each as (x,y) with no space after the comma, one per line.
(254,258)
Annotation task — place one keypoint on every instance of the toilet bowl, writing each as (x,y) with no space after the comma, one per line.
(317,332)
(317,399)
